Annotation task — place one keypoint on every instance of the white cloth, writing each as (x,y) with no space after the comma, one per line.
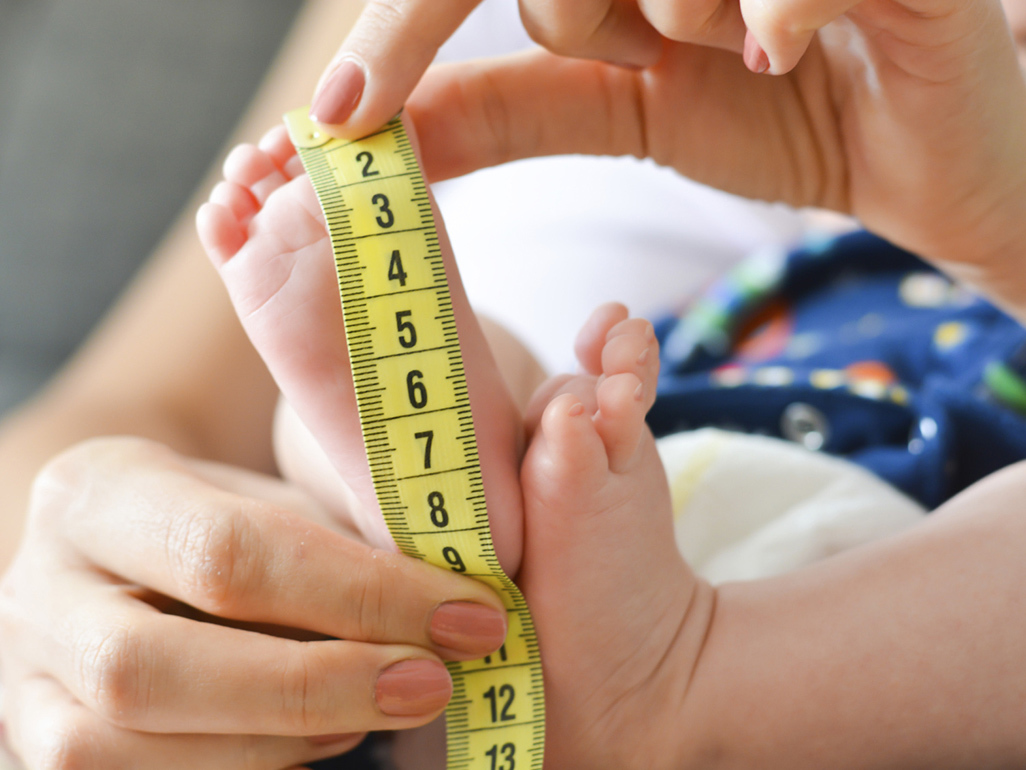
(748,507)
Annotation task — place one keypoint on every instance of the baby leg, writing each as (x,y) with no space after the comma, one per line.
(264,231)
(620,616)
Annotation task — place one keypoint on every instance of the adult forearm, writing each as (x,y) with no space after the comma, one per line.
(906,653)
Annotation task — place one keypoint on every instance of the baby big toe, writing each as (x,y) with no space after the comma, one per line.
(575,450)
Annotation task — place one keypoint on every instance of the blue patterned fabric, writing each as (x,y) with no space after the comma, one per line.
(858,348)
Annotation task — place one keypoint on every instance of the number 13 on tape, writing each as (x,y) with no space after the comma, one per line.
(417,427)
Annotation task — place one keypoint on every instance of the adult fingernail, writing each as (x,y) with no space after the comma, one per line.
(468,627)
(755,58)
(413,687)
(338,96)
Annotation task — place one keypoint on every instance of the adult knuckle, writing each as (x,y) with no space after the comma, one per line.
(111,665)
(673,25)
(385,13)
(303,669)
(66,488)
(369,591)
(66,745)
(61,484)
(209,555)
(55,734)
(553,29)
(684,23)
(497,111)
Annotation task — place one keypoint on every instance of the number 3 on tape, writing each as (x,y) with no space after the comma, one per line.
(417,427)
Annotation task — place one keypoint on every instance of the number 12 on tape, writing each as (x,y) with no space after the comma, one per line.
(417,425)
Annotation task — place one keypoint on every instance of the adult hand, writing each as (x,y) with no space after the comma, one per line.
(394,41)
(163,612)
(908,114)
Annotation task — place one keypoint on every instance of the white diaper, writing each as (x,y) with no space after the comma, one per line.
(748,507)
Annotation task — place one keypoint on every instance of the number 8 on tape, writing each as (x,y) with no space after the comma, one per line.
(417,426)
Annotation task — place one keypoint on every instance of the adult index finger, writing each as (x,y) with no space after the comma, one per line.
(144,516)
(471,115)
(381,60)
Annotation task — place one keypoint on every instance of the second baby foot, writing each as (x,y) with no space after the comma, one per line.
(264,231)
(612,599)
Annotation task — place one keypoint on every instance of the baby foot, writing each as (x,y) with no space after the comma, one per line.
(619,614)
(264,231)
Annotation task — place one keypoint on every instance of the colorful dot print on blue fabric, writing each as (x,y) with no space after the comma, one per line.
(852,346)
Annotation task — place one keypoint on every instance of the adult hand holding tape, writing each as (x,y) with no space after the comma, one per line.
(853,123)
(164,645)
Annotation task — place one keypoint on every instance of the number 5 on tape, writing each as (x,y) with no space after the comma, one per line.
(417,427)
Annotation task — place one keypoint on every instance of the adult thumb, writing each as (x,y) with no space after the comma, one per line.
(474,114)
(380,62)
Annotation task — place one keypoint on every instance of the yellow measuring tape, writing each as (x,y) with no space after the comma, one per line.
(415,412)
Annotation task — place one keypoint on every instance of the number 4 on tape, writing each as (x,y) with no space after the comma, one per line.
(417,426)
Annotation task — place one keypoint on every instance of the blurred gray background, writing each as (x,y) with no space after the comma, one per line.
(110,113)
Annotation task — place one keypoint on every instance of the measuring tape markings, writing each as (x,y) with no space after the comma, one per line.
(415,412)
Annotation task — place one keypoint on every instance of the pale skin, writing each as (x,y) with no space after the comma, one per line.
(952,587)
(268,244)
(591,451)
(680,686)
(907,114)
(190,385)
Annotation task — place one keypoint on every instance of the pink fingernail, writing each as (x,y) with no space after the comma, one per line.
(639,392)
(576,410)
(643,357)
(341,92)
(413,687)
(755,58)
(468,627)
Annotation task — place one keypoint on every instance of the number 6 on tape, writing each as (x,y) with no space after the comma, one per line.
(417,427)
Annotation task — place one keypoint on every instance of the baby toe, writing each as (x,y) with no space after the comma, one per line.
(251,167)
(592,336)
(632,348)
(220,232)
(576,457)
(620,419)
(279,149)
(237,199)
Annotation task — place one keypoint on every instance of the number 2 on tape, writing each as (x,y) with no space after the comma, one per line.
(415,412)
